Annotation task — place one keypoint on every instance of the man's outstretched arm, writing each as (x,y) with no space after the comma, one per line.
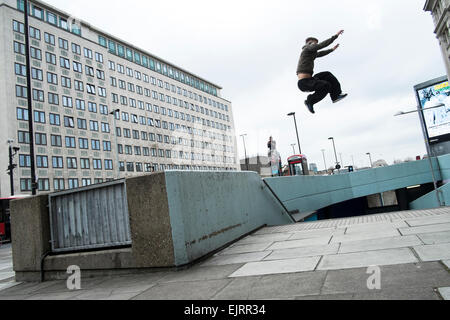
(325,52)
(326,43)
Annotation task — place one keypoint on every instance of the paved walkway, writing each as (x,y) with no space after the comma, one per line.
(317,260)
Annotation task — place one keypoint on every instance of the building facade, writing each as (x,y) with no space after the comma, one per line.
(102,108)
(440,11)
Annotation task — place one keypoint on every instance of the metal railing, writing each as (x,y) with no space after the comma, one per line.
(90,218)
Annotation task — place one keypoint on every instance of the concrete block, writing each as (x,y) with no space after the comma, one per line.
(379,244)
(435,237)
(193,290)
(236,258)
(375,234)
(303,252)
(393,277)
(429,220)
(284,286)
(307,234)
(30,226)
(299,243)
(425,229)
(445,293)
(433,252)
(246,248)
(150,224)
(366,259)
(277,267)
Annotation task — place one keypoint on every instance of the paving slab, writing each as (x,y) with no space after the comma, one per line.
(246,248)
(446,263)
(198,273)
(264,238)
(393,277)
(435,237)
(7,285)
(341,296)
(7,275)
(428,220)
(129,283)
(55,295)
(277,267)
(399,294)
(236,258)
(285,286)
(299,243)
(196,290)
(425,229)
(380,244)
(445,293)
(373,227)
(366,259)
(316,233)
(106,295)
(303,252)
(433,252)
(366,235)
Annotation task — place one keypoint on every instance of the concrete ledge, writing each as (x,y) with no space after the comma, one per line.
(176,218)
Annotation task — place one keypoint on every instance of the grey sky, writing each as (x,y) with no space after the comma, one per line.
(251,48)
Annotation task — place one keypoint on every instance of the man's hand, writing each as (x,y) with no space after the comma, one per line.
(337,46)
(340,33)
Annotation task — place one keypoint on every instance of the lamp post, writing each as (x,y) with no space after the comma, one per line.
(12,152)
(30,105)
(335,154)
(293,148)
(245,150)
(113,113)
(427,143)
(370,158)
(324,162)
(296,130)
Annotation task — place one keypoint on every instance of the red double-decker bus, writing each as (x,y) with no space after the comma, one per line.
(5,218)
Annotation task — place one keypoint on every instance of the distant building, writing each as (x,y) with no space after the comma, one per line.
(379,163)
(259,164)
(103,108)
(440,11)
(313,167)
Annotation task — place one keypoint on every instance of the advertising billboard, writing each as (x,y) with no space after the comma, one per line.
(437,119)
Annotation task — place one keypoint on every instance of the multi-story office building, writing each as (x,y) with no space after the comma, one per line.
(102,108)
(440,10)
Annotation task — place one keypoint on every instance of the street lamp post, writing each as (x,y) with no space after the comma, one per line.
(113,113)
(12,152)
(296,130)
(427,143)
(324,162)
(293,148)
(30,105)
(335,154)
(304,164)
(245,150)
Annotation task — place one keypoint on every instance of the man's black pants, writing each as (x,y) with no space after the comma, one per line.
(321,84)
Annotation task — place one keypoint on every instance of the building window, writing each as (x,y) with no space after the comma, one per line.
(58,162)
(41,162)
(56,140)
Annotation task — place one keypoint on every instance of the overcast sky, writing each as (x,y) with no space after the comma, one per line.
(251,49)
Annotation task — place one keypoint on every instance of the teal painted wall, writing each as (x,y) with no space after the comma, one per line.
(430,201)
(309,193)
(210,209)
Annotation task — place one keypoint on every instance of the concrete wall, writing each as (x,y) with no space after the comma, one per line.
(309,193)
(175,219)
(207,210)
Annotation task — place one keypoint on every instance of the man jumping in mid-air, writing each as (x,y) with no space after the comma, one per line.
(322,83)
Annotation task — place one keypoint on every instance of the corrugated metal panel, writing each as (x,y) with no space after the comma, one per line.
(90,217)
